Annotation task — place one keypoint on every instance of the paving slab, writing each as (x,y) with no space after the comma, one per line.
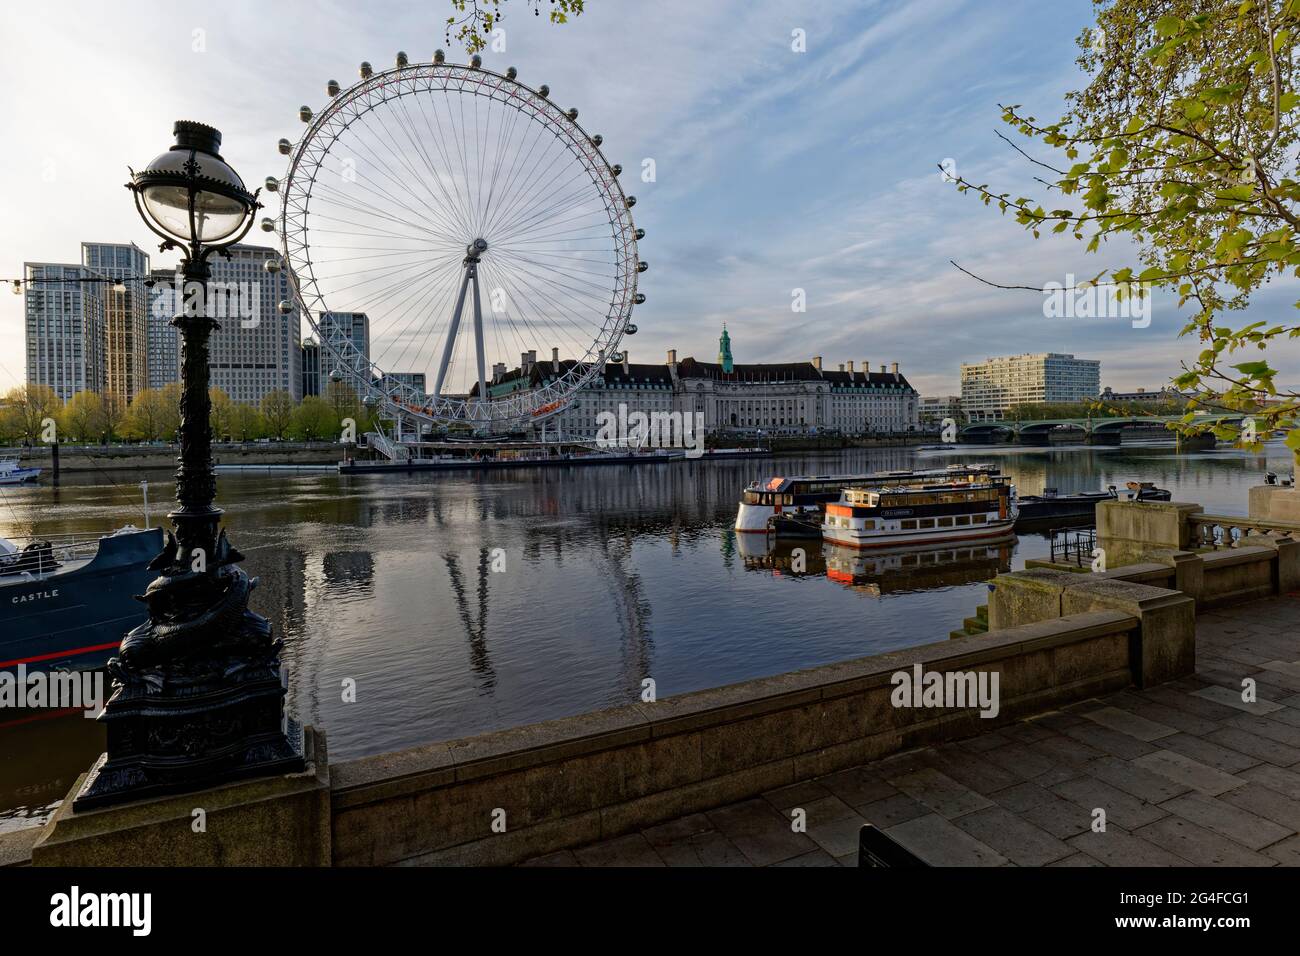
(940,843)
(1197,844)
(1229,697)
(630,850)
(1250,830)
(940,792)
(1188,772)
(1126,722)
(760,832)
(1118,847)
(1015,838)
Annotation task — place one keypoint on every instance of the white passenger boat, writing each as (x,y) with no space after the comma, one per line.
(957,504)
(11,473)
(797,504)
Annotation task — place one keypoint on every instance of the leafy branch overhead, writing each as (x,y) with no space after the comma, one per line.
(474,20)
(1184,141)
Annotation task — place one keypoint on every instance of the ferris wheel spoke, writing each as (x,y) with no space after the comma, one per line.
(546,273)
(447,197)
(526,306)
(420,227)
(517,188)
(382,169)
(343,197)
(560,187)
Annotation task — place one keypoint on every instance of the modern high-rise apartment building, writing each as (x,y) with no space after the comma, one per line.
(64,327)
(258,349)
(164,338)
(126,316)
(991,387)
(310,367)
(337,330)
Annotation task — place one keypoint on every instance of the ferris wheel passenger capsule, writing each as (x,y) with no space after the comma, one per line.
(366,70)
(618,169)
(544,90)
(285,306)
(630,330)
(597,140)
(332,87)
(476,61)
(511,73)
(272,184)
(268,224)
(640,233)
(573,115)
(335,374)
(639,298)
(401,58)
(285,147)
(631,201)
(304,113)
(271,265)
(642,266)
(439,56)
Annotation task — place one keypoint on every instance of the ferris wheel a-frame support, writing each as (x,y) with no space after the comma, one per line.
(473,252)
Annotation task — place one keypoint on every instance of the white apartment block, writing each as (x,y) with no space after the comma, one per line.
(935,408)
(64,326)
(991,387)
(259,350)
(164,339)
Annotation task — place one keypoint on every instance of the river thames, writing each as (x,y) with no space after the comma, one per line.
(605,576)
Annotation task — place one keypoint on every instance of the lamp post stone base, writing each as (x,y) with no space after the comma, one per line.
(190,736)
(280,820)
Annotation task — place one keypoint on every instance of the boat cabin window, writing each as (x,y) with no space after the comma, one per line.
(926,523)
(908,524)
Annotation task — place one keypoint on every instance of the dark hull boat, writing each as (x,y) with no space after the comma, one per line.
(1050,505)
(68,605)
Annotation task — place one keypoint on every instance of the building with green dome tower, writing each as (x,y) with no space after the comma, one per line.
(724,350)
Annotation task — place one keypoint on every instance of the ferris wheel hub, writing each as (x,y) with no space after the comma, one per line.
(476,249)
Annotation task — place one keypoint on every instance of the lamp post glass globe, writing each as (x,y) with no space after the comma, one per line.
(189,194)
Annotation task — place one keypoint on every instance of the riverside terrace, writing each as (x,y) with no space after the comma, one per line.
(1120,691)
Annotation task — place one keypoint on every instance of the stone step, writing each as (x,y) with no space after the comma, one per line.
(976,625)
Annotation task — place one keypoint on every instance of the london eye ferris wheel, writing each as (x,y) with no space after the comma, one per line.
(473,221)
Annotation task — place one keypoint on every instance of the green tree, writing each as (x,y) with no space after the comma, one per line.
(476,19)
(1184,141)
(277,412)
(220,416)
(28,407)
(147,414)
(111,415)
(314,420)
(170,417)
(246,422)
(82,416)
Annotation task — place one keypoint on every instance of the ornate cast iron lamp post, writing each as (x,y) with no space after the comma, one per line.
(198,697)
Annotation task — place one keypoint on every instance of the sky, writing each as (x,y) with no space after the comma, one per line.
(775,169)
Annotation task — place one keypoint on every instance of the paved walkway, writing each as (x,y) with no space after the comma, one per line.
(1186,773)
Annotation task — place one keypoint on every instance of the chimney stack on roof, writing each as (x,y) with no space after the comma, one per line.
(672,357)
(850,366)
(894,369)
(817,362)
(555,361)
(625,361)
